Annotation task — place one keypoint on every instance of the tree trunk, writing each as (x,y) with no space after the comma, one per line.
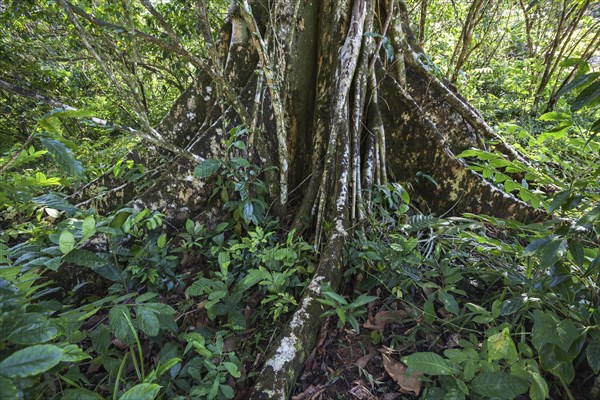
(337,115)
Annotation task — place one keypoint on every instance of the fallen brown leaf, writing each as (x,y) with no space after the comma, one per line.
(397,370)
(382,318)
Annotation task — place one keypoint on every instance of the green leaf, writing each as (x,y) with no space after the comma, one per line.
(164,367)
(72,353)
(576,250)
(552,252)
(88,227)
(232,369)
(248,211)
(539,388)
(593,352)
(501,346)
(548,329)
(499,385)
(118,317)
(430,364)
(63,156)
(555,116)
(207,168)
(147,320)
(227,391)
(66,242)
(162,241)
(448,301)
(9,390)
(578,81)
(31,361)
(56,201)
(362,300)
(142,391)
(595,126)
(589,97)
(80,394)
(534,246)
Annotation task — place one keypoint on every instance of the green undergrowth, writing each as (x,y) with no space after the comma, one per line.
(127,306)
(495,308)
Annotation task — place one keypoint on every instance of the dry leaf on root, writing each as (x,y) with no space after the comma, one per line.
(408,383)
(382,318)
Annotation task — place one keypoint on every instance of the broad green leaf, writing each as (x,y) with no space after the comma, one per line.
(118,317)
(499,385)
(539,388)
(534,246)
(207,168)
(56,201)
(589,97)
(34,328)
(552,252)
(593,352)
(63,156)
(501,346)
(576,250)
(448,301)
(9,390)
(31,361)
(566,372)
(430,364)
(66,242)
(232,369)
(549,329)
(164,367)
(73,353)
(88,227)
(147,320)
(578,81)
(227,391)
(555,116)
(142,391)
(224,259)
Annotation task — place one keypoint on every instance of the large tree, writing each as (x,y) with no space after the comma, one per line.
(338,96)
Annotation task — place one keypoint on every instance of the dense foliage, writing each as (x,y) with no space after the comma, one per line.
(124,305)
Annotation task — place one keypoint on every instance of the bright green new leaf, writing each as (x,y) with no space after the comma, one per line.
(232,369)
(66,242)
(502,347)
(88,227)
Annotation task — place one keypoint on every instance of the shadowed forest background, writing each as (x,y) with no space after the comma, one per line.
(334,199)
